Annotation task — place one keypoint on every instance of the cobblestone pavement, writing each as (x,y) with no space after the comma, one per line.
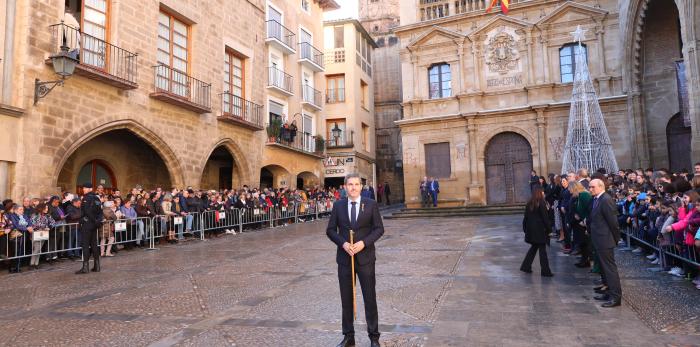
(449,282)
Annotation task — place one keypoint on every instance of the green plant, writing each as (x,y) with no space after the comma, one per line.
(320,143)
(273,130)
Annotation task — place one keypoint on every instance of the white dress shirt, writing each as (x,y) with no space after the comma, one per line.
(357,208)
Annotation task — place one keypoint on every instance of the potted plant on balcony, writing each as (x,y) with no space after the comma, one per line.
(273,130)
(320,143)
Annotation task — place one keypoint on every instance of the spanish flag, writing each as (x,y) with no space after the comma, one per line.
(504,6)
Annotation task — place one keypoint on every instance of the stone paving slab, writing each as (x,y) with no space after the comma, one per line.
(441,282)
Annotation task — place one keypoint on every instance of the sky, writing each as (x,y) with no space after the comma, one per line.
(348,9)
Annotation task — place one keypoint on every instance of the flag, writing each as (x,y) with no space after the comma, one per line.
(504,6)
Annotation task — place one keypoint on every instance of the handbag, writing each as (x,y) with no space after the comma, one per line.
(40,235)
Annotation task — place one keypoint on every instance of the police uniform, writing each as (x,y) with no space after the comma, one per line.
(90,220)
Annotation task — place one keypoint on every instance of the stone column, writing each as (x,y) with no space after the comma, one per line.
(414,62)
(600,35)
(460,54)
(530,59)
(474,190)
(542,141)
(8,60)
(545,55)
(475,60)
(4,177)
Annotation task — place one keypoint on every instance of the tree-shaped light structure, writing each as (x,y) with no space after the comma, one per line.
(588,145)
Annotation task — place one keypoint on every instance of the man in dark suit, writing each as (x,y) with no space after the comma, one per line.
(605,233)
(434,190)
(362,216)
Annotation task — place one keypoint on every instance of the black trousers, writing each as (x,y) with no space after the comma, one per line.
(88,242)
(530,257)
(609,273)
(365,274)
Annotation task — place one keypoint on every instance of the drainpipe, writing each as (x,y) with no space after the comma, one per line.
(8,58)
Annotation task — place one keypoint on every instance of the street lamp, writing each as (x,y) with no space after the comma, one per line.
(64,65)
(336,132)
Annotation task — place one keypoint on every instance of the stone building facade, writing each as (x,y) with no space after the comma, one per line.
(379,19)
(486,96)
(349,119)
(166,93)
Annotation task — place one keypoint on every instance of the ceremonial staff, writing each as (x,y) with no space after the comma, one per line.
(352,270)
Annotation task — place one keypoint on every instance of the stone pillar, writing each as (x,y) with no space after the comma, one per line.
(600,35)
(8,61)
(475,60)
(545,55)
(460,54)
(4,178)
(414,62)
(530,59)
(542,141)
(638,134)
(474,190)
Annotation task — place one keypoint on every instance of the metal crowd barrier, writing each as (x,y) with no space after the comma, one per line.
(669,245)
(65,239)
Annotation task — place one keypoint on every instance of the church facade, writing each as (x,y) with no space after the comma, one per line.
(486,96)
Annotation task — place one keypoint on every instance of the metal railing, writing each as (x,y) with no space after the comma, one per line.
(280,79)
(434,9)
(181,85)
(301,141)
(669,246)
(95,53)
(237,107)
(311,95)
(275,30)
(64,239)
(345,140)
(334,56)
(335,95)
(308,51)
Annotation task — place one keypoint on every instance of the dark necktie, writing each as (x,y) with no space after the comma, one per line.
(353,216)
(595,202)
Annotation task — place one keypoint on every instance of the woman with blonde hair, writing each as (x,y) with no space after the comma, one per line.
(167,206)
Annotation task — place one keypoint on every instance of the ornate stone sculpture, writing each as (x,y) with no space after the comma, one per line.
(502,56)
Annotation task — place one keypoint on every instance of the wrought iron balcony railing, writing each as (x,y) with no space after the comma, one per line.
(180,89)
(344,141)
(335,95)
(310,53)
(279,79)
(434,9)
(241,111)
(99,59)
(311,96)
(277,31)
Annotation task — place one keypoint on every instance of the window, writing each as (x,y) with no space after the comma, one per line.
(173,45)
(94,17)
(306,6)
(276,111)
(338,37)
(439,80)
(365,137)
(364,94)
(335,88)
(234,83)
(437,160)
(330,125)
(97,172)
(567,61)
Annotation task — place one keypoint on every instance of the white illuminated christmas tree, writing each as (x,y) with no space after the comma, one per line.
(588,145)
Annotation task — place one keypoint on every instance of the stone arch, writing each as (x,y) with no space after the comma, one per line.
(481,153)
(307,178)
(280,175)
(73,142)
(242,167)
(508,161)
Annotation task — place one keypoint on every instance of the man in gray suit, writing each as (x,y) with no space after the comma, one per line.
(605,233)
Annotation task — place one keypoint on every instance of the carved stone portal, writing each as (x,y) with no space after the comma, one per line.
(502,55)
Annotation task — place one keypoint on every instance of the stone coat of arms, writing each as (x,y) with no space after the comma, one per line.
(502,56)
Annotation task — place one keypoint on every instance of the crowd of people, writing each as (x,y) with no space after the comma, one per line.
(48,229)
(659,209)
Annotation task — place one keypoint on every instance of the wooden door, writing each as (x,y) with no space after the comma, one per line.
(678,137)
(508,165)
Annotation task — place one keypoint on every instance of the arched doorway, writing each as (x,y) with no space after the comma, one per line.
(306,179)
(678,137)
(117,156)
(274,176)
(220,170)
(508,160)
(97,172)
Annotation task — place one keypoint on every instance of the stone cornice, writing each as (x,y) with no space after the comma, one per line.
(12,111)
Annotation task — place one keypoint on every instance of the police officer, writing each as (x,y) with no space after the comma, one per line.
(90,219)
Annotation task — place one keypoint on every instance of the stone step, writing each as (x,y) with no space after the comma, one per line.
(401,215)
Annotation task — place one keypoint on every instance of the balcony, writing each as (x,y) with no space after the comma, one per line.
(180,89)
(311,97)
(334,56)
(310,57)
(296,141)
(98,60)
(280,81)
(334,96)
(279,36)
(434,9)
(241,112)
(344,141)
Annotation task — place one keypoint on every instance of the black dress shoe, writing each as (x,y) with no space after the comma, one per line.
(612,303)
(602,297)
(374,343)
(603,290)
(348,341)
(526,270)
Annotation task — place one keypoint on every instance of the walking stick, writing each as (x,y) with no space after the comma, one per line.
(352,270)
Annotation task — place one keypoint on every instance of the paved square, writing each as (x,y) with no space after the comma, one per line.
(441,282)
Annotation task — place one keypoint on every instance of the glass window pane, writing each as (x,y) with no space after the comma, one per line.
(85,174)
(164,19)
(566,69)
(565,60)
(163,57)
(163,31)
(102,176)
(163,45)
(567,78)
(179,27)
(93,16)
(180,40)
(445,85)
(447,93)
(100,5)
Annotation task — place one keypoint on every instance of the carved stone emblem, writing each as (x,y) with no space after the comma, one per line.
(502,55)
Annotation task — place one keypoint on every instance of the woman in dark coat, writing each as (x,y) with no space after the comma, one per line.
(537,227)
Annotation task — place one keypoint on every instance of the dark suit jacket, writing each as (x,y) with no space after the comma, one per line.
(369,228)
(536,225)
(602,223)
